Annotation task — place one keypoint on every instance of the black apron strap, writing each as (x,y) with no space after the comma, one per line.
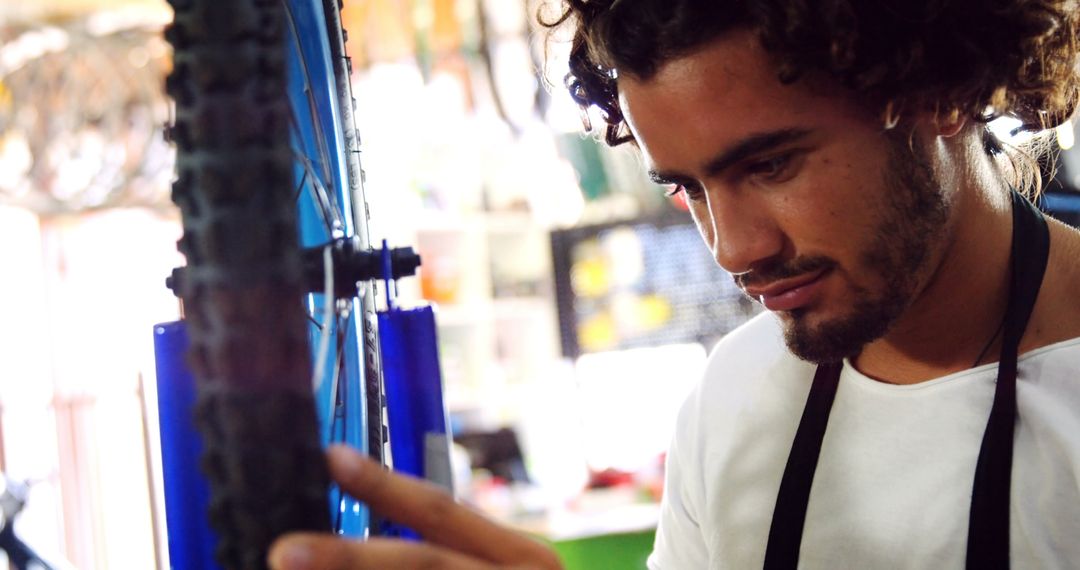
(785,534)
(988,534)
(988,526)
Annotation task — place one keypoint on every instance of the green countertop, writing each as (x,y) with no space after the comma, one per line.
(606,552)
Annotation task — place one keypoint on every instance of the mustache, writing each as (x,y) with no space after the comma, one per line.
(776,271)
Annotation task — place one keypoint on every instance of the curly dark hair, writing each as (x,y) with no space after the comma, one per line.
(975,58)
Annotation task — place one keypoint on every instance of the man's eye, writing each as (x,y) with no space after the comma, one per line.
(690,192)
(773,169)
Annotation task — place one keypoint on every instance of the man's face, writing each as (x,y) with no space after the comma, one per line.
(797,190)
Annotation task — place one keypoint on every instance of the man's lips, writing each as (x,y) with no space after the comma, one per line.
(789,294)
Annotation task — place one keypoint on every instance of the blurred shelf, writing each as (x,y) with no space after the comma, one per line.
(482,312)
(523,307)
(457,315)
(512,222)
(434,221)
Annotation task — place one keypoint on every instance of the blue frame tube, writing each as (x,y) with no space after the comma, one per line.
(191,541)
(416,410)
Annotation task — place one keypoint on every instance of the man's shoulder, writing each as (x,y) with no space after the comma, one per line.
(750,373)
(1054,369)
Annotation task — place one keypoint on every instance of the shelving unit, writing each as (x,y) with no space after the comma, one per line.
(489,277)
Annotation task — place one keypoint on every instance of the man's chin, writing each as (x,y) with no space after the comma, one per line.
(815,348)
(828,340)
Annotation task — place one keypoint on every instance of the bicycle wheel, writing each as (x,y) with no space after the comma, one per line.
(329,190)
(250,146)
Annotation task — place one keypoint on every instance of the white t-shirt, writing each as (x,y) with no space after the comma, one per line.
(894,478)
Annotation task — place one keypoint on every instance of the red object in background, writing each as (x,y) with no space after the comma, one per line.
(655,485)
(609,478)
(679,201)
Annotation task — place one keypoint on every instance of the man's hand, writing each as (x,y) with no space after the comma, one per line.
(455,537)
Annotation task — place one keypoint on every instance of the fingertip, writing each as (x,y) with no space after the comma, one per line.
(291,552)
(346,464)
(341,449)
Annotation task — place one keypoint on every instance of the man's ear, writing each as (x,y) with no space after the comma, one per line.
(948,125)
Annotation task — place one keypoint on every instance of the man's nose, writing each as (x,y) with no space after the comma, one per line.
(742,234)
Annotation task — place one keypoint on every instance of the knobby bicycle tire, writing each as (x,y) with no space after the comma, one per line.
(242,289)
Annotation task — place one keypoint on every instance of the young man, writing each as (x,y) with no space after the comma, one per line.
(912,397)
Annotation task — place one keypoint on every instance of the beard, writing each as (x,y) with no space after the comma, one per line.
(912,225)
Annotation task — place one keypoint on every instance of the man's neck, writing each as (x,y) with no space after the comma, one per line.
(962,304)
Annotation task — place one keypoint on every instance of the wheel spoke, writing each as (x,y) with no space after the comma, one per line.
(329,214)
(320,136)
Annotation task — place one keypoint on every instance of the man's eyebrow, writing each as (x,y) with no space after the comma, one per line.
(749,146)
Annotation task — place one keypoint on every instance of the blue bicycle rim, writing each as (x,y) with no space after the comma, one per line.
(318,143)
